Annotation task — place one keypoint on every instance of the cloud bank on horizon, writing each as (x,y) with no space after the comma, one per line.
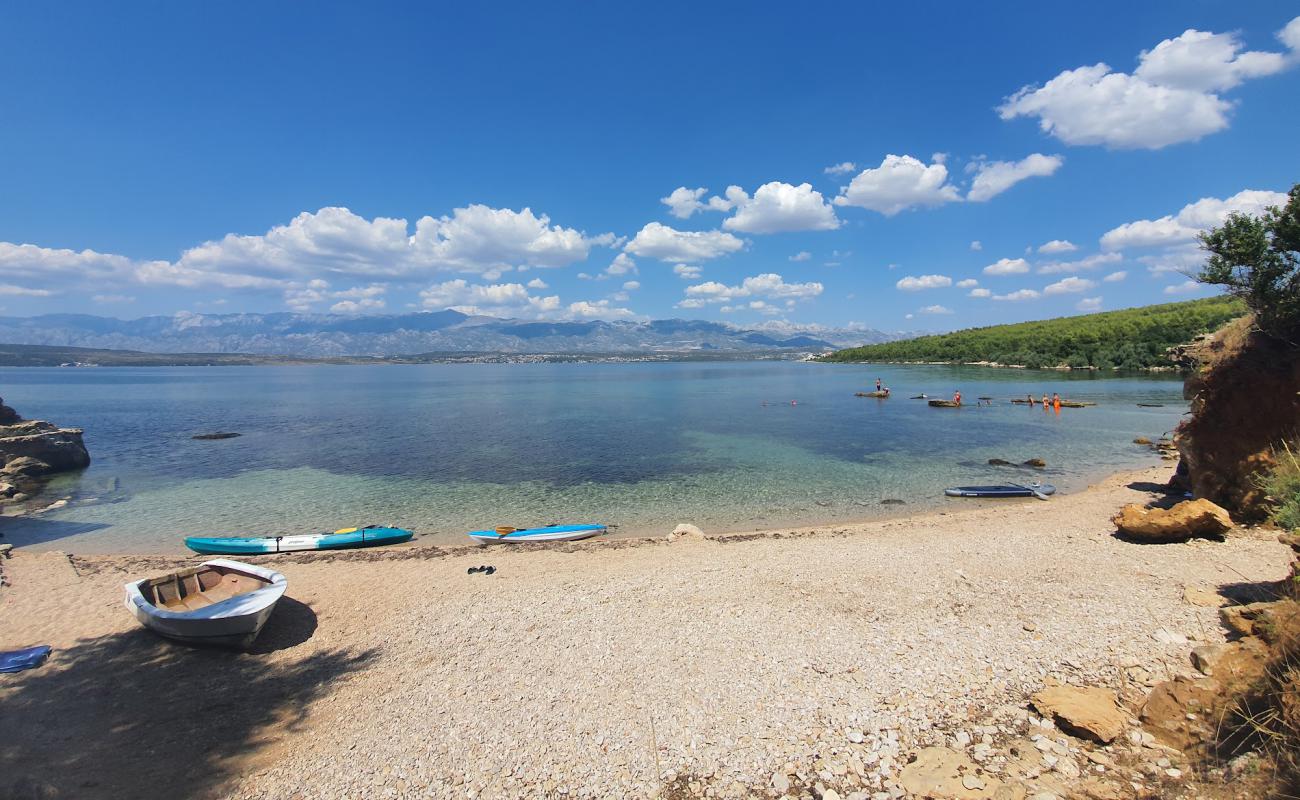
(756,247)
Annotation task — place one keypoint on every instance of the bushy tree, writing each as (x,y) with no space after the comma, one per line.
(1258,260)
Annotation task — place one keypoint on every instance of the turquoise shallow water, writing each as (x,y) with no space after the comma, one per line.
(448,448)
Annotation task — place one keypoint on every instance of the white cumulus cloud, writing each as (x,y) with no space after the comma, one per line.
(1115,277)
(967,283)
(842,168)
(1080,264)
(1089,304)
(500,299)
(686,271)
(914,283)
(899,183)
(668,244)
(1189,221)
(683,202)
(992,178)
(802,255)
(1016,296)
(621,265)
(1058,246)
(1171,97)
(768,285)
(1070,285)
(1007,266)
(779,208)
(977,245)
(936,309)
(980,293)
(1186,287)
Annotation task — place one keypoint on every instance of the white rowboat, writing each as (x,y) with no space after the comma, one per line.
(219,602)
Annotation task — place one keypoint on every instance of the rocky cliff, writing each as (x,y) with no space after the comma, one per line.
(31,451)
(1244,390)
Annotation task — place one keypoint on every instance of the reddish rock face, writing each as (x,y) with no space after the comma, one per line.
(1245,399)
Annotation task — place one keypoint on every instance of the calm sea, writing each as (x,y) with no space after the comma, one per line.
(447,448)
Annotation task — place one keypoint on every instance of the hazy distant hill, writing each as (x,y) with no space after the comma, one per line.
(325,336)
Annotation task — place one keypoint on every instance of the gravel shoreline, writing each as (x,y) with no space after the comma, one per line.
(736,666)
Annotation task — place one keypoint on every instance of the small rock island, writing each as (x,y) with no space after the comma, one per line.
(31,451)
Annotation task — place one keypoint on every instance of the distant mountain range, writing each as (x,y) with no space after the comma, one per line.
(326,336)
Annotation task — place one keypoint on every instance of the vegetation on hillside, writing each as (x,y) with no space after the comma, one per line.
(1282,483)
(1135,338)
(1258,260)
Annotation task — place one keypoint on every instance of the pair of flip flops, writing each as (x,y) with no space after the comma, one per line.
(486,570)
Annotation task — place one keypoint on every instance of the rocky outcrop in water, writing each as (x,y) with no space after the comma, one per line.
(31,451)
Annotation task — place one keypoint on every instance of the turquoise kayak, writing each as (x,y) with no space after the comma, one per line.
(551,533)
(369,536)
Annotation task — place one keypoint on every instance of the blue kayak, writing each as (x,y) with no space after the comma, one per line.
(551,533)
(369,536)
(1004,490)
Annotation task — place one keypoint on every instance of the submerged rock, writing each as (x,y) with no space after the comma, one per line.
(1036,462)
(999,462)
(1188,519)
(217,435)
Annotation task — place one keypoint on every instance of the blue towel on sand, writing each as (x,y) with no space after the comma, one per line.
(19,660)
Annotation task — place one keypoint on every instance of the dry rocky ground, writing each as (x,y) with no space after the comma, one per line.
(872,661)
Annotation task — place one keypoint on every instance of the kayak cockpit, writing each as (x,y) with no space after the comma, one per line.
(198,587)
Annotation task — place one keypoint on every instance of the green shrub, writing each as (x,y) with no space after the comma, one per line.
(1258,260)
(1283,486)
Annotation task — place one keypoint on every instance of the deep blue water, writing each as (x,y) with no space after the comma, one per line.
(446,448)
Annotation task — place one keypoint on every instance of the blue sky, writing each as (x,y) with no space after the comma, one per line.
(515,159)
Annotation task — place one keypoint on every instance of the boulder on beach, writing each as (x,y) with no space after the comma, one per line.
(1188,519)
(686,531)
(1088,712)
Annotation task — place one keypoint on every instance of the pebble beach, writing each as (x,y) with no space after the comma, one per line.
(809,662)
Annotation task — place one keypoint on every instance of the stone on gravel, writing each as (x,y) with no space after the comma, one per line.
(1203,596)
(686,531)
(939,772)
(1206,656)
(1083,711)
(1188,519)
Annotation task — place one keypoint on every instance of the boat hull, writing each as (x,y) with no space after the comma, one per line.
(553,533)
(257,545)
(235,622)
(1001,491)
